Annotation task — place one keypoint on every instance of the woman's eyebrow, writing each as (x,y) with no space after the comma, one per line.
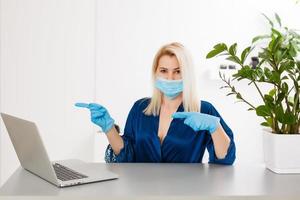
(177,68)
(160,67)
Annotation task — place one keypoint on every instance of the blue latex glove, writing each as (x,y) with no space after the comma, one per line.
(99,115)
(199,121)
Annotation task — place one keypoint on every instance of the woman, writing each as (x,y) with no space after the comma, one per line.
(173,125)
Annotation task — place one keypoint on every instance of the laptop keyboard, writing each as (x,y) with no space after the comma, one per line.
(65,174)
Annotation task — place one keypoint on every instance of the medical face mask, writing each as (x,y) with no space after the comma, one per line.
(170,88)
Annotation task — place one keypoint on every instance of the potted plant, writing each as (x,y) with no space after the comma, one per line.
(277,66)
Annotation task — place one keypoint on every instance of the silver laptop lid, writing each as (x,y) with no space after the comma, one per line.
(29,147)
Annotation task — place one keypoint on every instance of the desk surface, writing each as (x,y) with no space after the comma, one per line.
(141,179)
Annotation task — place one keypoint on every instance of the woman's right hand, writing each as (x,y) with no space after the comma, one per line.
(99,115)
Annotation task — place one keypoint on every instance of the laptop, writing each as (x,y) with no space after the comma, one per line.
(33,157)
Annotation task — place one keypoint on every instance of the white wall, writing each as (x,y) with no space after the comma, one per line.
(130,32)
(47,64)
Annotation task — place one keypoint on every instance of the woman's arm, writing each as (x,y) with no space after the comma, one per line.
(122,147)
(221,142)
(101,117)
(115,140)
(221,145)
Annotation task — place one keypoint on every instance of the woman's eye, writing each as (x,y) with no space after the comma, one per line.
(177,72)
(163,71)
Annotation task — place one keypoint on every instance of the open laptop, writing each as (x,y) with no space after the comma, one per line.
(33,157)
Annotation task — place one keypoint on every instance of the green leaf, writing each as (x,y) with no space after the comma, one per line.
(277,53)
(285,87)
(265,124)
(267,72)
(275,32)
(231,93)
(272,92)
(244,54)
(259,72)
(286,65)
(259,37)
(263,111)
(270,22)
(280,97)
(265,54)
(270,121)
(234,59)
(233,89)
(298,65)
(276,44)
(238,96)
(245,73)
(292,51)
(278,19)
(269,101)
(289,118)
(279,113)
(270,46)
(213,53)
(268,98)
(275,77)
(262,79)
(225,86)
(232,49)
(219,48)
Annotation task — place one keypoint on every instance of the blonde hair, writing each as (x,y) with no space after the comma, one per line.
(191,101)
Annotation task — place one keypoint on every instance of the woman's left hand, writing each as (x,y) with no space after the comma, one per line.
(199,121)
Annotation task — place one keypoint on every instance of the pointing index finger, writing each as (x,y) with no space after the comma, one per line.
(180,115)
(82,105)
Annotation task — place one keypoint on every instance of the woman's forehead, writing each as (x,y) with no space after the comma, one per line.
(169,62)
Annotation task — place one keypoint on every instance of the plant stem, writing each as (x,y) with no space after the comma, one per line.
(260,93)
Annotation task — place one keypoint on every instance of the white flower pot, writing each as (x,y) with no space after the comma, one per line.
(281,152)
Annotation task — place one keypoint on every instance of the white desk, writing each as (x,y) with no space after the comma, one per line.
(166,180)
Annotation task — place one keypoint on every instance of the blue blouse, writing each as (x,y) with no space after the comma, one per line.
(180,145)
